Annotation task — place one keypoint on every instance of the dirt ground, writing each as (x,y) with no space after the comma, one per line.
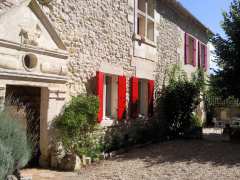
(213,158)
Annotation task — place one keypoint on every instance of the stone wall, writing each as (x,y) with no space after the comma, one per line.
(94,32)
(97,32)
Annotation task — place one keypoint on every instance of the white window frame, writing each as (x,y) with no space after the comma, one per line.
(147,17)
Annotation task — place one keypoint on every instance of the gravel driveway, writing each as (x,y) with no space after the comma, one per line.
(193,159)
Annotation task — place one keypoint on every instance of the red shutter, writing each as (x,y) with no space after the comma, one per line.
(194,52)
(100,84)
(121,97)
(199,54)
(186,48)
(150,97)
(206,58)
(134,97)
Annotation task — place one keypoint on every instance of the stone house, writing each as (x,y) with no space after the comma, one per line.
(119,50)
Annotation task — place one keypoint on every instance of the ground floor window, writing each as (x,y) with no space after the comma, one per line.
(111,90)
(143,97)
(110,97)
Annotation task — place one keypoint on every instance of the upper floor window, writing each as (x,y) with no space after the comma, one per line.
(190,50)
(145,19)
(202,55)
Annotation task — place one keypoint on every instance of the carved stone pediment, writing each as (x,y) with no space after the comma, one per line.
(30,48)
(27,24)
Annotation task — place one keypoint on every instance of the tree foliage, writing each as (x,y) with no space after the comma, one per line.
(226,80)
(180,99)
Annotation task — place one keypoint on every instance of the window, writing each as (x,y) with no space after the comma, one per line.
(190,50)
(110,95)
(111,91)
(202,55)
(145,19)
(143,97)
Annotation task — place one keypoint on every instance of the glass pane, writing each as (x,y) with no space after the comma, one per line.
(108,96)
(142,5)
(151,8)
(150,30)
(141,25)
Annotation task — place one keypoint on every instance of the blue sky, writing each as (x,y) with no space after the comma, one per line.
(209,12)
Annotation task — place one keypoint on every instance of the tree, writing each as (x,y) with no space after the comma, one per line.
(226,81)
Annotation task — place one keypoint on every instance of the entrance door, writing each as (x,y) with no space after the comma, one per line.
(25,102)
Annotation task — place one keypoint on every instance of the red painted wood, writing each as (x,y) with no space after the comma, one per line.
(100,85)
(186,51)
(206,58)
(150,97)
(199,54)
(134,97)
(121,97)
(194,52)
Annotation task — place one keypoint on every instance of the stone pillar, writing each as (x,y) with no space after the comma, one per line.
(52,102)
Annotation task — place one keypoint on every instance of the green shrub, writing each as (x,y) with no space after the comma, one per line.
(180,99)
(6,161)
(15,151)
(196,121)
(78,125)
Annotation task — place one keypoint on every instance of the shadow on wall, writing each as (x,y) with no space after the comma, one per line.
(194,151)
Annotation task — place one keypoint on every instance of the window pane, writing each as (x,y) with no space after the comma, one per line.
(191,50)
(151,8)
(142,5)
(150,30)
(141,25)
(108,96)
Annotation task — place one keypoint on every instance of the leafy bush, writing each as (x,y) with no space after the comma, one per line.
(196,121)
(180,99)
(78,126)
(15,151)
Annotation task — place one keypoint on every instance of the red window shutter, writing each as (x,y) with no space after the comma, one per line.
(186,48)
(134,97)
(121,97)
(194,52)
(100,84)
(206,58)
(150,97)
(199,54)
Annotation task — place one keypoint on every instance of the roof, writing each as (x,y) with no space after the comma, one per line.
(181,9)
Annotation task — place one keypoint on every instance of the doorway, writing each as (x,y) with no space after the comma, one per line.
(25,102)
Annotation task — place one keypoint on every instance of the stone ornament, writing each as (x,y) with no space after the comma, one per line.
(30,62)
(54,69)
(30,36)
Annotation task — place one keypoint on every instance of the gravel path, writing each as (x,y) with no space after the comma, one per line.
(176,160)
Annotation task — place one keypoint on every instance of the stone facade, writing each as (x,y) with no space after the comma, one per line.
(75,39)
